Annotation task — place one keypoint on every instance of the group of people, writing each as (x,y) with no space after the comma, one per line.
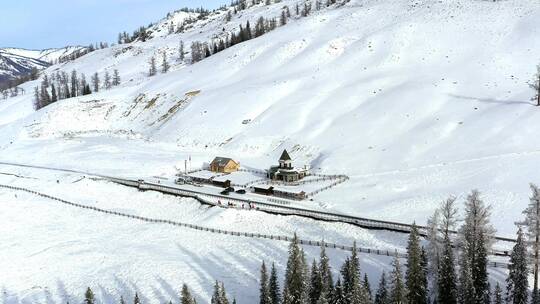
(250,205)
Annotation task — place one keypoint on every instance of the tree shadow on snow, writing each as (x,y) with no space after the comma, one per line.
(492,100)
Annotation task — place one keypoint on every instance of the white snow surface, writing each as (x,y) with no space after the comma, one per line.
(414,101)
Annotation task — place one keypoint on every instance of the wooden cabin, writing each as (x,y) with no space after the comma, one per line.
(224,165)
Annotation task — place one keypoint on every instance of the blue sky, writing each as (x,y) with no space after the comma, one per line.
(39,24)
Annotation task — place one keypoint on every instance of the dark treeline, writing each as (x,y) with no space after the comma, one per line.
(60,85)
(443,269)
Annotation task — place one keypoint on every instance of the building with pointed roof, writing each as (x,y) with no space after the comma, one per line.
(285,171)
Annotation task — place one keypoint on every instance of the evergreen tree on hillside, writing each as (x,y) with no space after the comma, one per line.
(398,292)
(532,225)
(382,297)
(264,290)
(338,297)
(186,297)
(122,300)
(315,286)
(498,295)
(273,286)
(415,275)
(352,284)
(447,275)
(326,274)
(89,296)
(367,287)
(136,300)
(295,287)
(517,284)
(219,296)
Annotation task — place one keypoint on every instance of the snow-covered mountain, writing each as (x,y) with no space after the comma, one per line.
(12,65)
(413,100)
(16,62)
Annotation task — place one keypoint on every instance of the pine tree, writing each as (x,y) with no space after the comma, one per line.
(315,285)
(216,295)
(326,274)
(186,297)
(136,300)
(273,286)
(352,284)
(223,295)
(295,289)
(517,284)
(122,300)
(532,225)
(475,240)
(95,82)
(398,294)
(89,296)
(415,274)
(498,297)
(381,297)
(367,287)
(264,289)
(338,296)
(164,64)
(152,70)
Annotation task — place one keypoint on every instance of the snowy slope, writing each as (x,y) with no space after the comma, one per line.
(19,62)
(415,101)
(426,91)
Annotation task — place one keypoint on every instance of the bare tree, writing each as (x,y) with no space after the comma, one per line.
(95,82)
(116,78)
(152,71)
(535,85)
(164,64)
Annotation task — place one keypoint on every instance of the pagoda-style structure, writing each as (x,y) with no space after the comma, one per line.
(285,171)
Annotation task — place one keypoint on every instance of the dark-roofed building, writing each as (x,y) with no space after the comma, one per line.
(224,165)
(285,170)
